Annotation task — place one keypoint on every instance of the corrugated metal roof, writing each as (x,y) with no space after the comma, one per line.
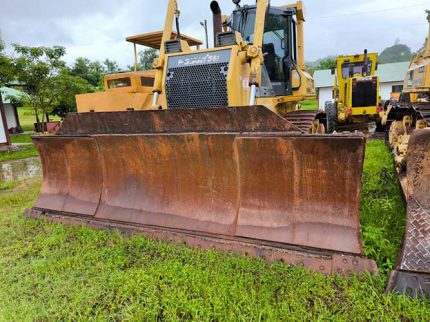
(394,72)
(6,91)
(323,78)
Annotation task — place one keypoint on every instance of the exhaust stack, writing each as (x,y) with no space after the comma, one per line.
(217,19)
(366,64)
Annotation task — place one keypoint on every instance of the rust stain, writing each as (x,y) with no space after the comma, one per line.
(208,172)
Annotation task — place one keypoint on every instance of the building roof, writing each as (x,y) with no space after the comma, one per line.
(7,92)
(323,78)
(393,72)
(153,39)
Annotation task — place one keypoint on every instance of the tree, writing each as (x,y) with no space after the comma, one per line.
(47,82)
(111,67)
(395,53)
(326,63)
(93,71)
(66,102)
(146,58)
(6,66)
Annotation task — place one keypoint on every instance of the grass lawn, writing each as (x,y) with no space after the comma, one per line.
(22,138)
(56,272)
(310,104)
(27,118)
(27,151)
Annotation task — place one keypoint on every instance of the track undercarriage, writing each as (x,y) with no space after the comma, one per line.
(409,139)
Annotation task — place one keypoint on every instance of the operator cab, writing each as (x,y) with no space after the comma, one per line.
(279,46)
(351,69)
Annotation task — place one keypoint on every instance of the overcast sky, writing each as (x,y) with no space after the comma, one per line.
(96,29)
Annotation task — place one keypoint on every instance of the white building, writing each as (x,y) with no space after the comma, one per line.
(9,120)
(390,76)
(4,133)
(11,109)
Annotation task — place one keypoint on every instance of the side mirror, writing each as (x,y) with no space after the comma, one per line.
(376,66)
(333,70)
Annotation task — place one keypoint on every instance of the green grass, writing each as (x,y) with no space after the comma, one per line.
(27,118)
(27,151)
(7,185)
(310,104)
(382,212)
(56,272)
(21,138)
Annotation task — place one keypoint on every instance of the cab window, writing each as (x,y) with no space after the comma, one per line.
(119,82)
(147,81)
(350,69)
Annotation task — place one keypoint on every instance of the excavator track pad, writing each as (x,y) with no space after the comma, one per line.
(412,275)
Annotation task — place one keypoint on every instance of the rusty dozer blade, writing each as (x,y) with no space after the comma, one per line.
(412,274)
(241,179)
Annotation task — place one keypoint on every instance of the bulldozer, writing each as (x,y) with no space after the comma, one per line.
(356,102)
(221,157)
(409,139)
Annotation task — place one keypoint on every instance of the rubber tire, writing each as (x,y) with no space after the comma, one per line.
(331,114)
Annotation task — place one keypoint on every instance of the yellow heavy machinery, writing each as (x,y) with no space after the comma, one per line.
(123,91)
(130,90)
(409,139)
(355,93)
(221,157)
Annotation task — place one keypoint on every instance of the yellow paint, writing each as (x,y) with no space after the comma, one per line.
(244,69)
(342,92)
(135,96)
(417,78)
(416,85)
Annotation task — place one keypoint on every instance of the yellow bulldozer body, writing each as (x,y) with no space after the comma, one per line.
(124,91)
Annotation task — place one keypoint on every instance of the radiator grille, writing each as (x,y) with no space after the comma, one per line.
(201,86)
(364,94)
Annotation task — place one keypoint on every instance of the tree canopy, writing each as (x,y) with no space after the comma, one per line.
(395,53)
(326,63)
(146,59)
(47,84)
(6,66)
(93,71)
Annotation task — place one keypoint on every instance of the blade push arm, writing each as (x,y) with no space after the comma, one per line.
(300,13)
(159,63)
(255,52)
